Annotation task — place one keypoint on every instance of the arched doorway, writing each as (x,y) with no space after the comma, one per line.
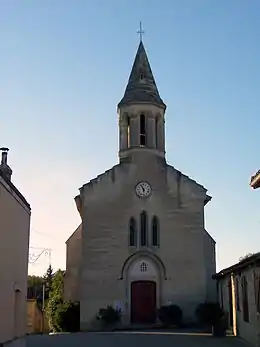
(143,274)
(143,302)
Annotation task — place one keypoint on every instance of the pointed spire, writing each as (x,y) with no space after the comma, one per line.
(141,87)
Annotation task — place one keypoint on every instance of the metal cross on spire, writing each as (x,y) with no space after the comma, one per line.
(140,31)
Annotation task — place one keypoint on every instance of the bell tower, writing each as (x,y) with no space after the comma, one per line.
(141,112)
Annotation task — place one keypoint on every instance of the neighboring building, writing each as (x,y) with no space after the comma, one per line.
(255,180)
(143,241)
(14,246)
(73,261)
(239,295)
(37,321)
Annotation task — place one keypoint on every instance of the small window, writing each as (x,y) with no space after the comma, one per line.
(142,130)
(128,132)
(143,227)
(257,291)
(237,295)
(141,75)
(245,299)
(132,232)
(156,132)
(221,295)
(155,231)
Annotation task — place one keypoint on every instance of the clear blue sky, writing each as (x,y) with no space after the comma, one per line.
(64,66)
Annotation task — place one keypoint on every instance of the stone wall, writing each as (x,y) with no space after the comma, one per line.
(186,250)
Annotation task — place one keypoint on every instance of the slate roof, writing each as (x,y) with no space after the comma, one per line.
(247,262)
(141,86)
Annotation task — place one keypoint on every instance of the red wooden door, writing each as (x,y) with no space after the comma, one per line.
(143,302)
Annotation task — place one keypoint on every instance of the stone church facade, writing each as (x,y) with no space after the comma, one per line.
(142,242)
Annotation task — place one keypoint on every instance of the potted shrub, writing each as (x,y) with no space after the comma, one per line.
(109,317)
(170,315)
(211,314)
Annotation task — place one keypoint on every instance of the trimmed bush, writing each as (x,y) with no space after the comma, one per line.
(170,315)
(209,313)
(67,317)
(109,315)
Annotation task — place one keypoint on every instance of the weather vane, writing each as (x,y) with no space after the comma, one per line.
(140,31)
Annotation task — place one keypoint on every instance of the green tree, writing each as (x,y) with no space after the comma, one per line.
(34,285)
(55,298)
(48,276)
(57,284)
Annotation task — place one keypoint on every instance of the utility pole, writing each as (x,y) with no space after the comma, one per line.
(43,306)
(43,296)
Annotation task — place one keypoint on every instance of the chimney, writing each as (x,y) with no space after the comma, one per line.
(4,155)
(5,169)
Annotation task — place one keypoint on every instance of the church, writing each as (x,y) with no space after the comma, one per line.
(142,242)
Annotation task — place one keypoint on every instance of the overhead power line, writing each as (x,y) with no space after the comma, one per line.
(35,253)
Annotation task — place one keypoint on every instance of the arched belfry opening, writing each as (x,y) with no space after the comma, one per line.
(142,102)
(142,130)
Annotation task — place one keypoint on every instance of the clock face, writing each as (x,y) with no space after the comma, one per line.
(143,189)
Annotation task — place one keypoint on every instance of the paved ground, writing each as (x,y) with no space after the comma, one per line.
(136,339)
